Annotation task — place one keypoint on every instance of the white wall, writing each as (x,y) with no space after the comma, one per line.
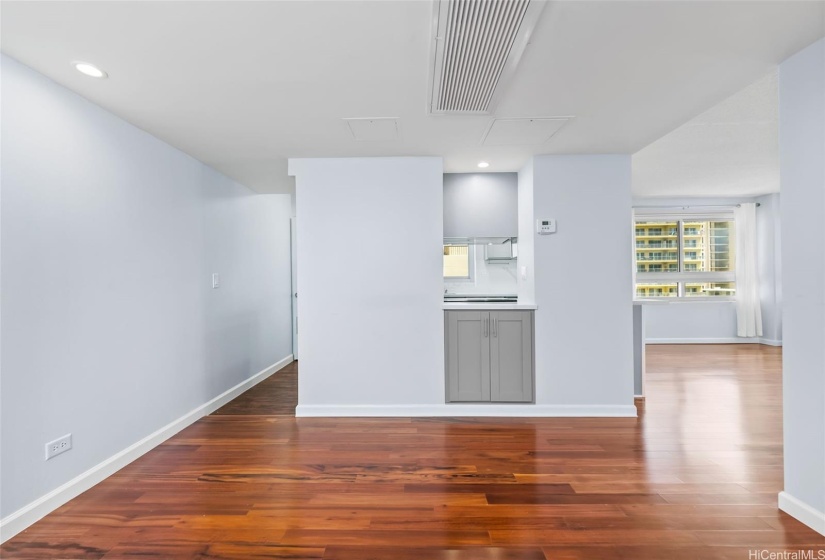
(371,283)
(715,321)
(802,171)
(110,327)
(584,322)
(372,329)
(696,322)
(526,235)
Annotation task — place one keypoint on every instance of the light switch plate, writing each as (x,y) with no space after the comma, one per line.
(216,280)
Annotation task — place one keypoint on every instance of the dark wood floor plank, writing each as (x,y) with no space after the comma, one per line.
(525,489)
(274,396)
(260,551)
(418,553)
(388,537)
(609,537)
(680,482)
(537,499)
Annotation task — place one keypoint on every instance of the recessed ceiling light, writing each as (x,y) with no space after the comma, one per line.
(89,69)
(483,164)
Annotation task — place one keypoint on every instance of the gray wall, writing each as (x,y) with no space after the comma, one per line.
(110,327)
(802,168)
(480,204)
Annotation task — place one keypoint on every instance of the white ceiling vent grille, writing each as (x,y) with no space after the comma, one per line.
(477,46)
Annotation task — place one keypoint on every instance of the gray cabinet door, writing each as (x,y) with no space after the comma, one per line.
(468,356)
(511,355)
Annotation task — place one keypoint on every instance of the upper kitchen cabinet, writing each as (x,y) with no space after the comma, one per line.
(480,205)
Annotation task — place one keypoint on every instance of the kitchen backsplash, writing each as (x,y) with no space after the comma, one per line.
(494,278)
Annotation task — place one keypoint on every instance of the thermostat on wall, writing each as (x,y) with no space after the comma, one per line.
(544,227)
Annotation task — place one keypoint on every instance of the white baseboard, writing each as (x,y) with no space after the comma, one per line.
(801,511)
(732,340)
(36,510)
(458,409)
(770,342)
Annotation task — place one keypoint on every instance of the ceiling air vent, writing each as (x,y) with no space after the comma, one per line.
(476,48)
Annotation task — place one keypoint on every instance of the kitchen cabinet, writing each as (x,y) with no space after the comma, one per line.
(480,205)
(489,356)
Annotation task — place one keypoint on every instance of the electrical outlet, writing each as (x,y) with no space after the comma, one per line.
(58,446)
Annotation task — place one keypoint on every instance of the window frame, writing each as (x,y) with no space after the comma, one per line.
(682,277)
(471,262)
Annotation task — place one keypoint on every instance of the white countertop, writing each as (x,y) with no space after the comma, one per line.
(503,306)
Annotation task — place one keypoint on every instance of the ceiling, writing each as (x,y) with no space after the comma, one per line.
(243,86)
(731,149)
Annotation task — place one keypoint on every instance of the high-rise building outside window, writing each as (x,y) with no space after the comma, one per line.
(685,258)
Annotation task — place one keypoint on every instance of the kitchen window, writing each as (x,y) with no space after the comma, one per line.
(699,255)
(458,262)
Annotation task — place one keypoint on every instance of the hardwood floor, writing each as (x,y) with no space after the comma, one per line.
(695,476)
(275,396)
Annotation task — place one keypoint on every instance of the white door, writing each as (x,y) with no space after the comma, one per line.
(293,236)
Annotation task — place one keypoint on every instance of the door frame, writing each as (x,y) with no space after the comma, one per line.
(293,243)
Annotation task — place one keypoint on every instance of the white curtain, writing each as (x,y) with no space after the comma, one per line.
(748,306)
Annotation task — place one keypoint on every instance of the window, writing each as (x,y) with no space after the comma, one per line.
(710,289)
(656,290)
(457,262)
(693,257)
